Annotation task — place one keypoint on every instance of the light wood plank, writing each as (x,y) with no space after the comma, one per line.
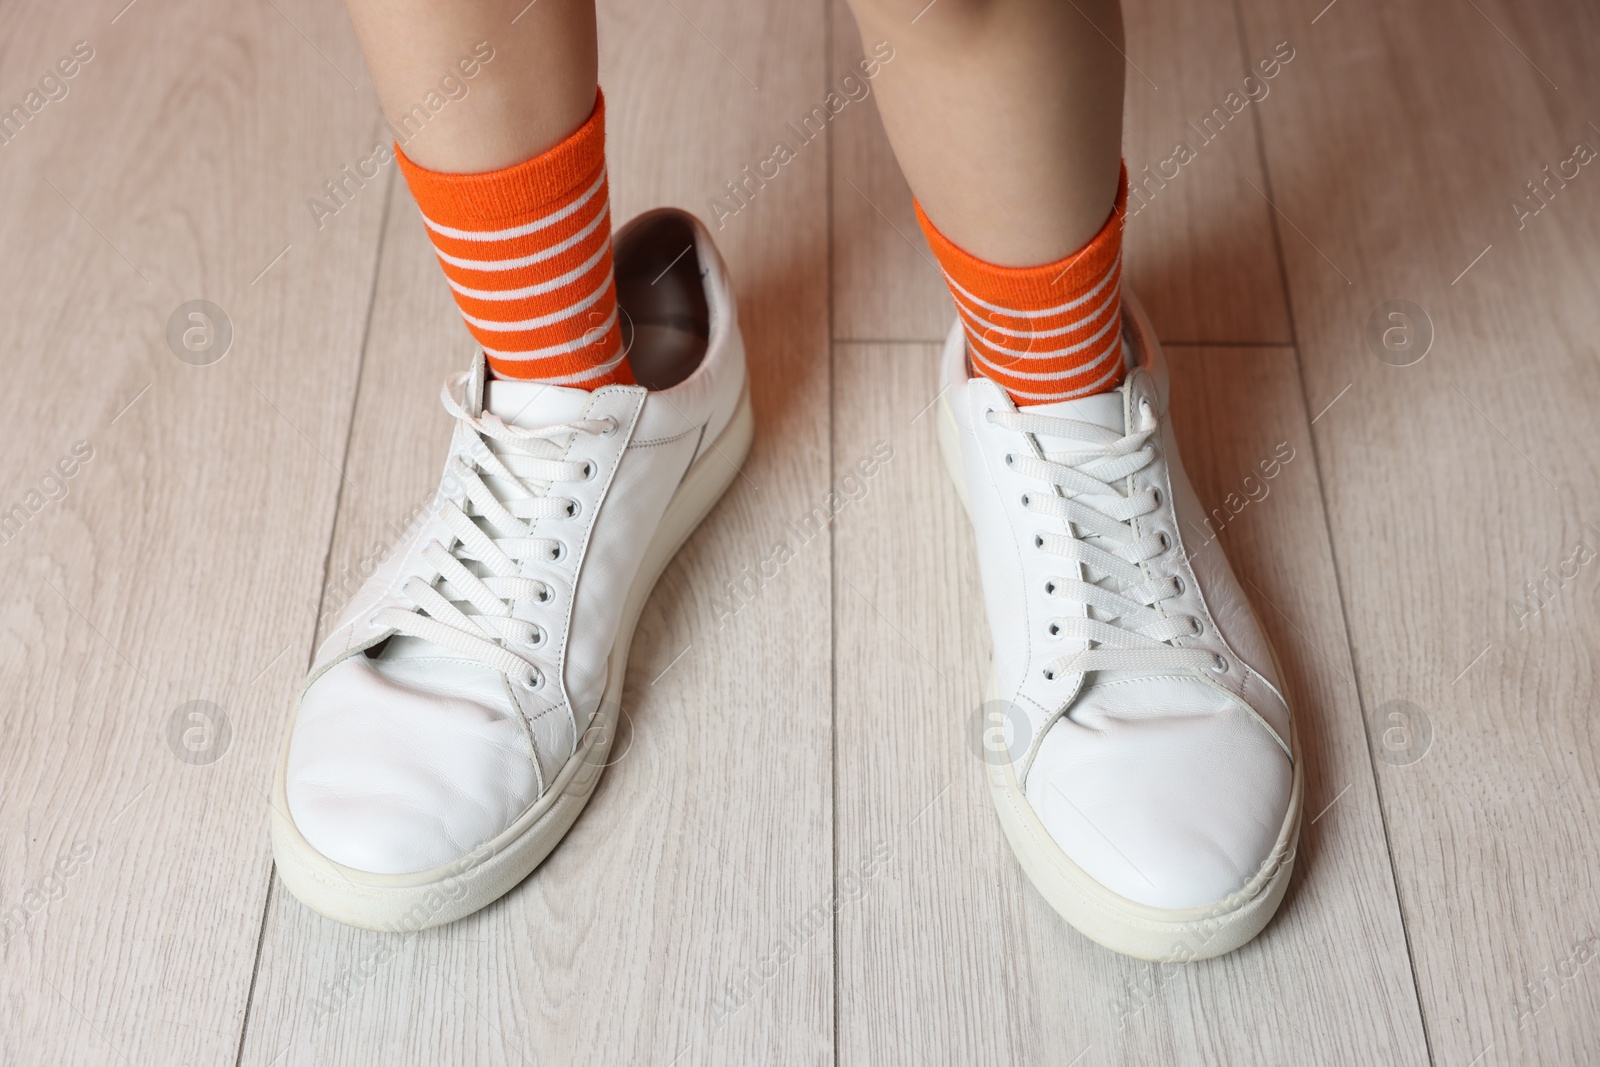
(1395,156)
(951,953)
(1199,252)
(179,563)
(712,832)
(875,233)
(185,562)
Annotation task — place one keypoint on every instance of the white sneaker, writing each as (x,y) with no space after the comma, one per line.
(1150,782)
(458,716)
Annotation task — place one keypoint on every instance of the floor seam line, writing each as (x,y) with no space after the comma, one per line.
(327,563)
(1333,548)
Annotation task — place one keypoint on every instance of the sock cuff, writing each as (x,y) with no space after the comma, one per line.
(516,193)
(1025,287)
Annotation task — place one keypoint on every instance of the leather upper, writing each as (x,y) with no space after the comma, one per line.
(408,758)
(1169,790)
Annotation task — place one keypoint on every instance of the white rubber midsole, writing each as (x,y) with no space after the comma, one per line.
(417,901)
(1120,924)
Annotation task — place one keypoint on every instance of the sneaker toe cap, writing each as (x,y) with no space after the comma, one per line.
(1174,810)
(390,779)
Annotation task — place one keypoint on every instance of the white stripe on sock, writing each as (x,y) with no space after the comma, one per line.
(1088,390)
(543,320)
(520,231)
(1111,273)
(540,288)
(1113,297)
(1040,376)
(565,348)
(577,377)
(1090,342)
(537,257)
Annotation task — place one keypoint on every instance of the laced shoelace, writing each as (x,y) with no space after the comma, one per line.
(1125,626)
(468,606)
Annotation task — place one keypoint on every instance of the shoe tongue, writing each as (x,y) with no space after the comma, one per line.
(531,405)
(528,406)
(1101,409)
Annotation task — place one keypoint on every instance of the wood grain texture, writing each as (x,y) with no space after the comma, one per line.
(711,834)
(949,955)
(179,562)
(1199,240)
(886,284)
(1396,155)
(1442,910)
(1199,249)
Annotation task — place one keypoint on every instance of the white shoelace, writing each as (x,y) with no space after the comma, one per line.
(469,605)
(1125,625)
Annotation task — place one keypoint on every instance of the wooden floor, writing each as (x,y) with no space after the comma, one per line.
(1422,561)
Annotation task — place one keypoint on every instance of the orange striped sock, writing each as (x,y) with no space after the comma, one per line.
(1044,333)
(527,251)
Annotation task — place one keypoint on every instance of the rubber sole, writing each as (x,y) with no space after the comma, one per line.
(409,902)
(1110,919)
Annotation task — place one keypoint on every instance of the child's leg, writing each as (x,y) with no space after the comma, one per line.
(1006,117)
(510,177)
(1153,770)
(530,97)
(456,720)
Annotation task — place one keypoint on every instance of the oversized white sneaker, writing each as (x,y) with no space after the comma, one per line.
(1149,779)
(458,716)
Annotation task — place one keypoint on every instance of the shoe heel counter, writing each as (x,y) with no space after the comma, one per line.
(726,343)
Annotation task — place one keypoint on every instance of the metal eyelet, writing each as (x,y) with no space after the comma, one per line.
(1049,675)
(1221,666)
(612,428)
(560,553)
(589,470)
(573,508)
(1054,630)
(1050,588)
(536,682)
(1157,491)
(1196,627)
(1177,580)
(1025,499)
(1010,459)
(1166,542)
(539,637)
(546,594)
(1038,540)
